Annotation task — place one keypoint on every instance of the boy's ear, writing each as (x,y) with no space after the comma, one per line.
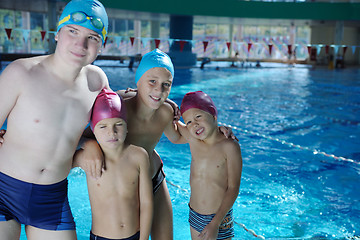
(213,110)
(56,36)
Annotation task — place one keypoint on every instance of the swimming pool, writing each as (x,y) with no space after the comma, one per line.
(282,117)
(299,132)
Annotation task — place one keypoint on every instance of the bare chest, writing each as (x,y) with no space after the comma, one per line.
(50,108)
(120,179)
(71,95)
(208,161)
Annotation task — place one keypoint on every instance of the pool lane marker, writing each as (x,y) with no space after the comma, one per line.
(334,102)
(252,232)
(291,144)
(334,120)
(177,186)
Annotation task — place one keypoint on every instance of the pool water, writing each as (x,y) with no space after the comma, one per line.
(282,117)
(299,131)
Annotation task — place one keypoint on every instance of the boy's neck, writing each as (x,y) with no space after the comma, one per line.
(214,137)
(143,112)
(113,153)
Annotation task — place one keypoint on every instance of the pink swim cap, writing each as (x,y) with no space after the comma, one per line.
(199,100)
(108,104)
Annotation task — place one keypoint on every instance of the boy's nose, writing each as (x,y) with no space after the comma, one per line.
(158,89)
(83,42)
(158,86)
(195,124)
(112,132)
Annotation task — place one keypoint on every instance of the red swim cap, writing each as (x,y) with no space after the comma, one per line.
(199,100)
(108,104)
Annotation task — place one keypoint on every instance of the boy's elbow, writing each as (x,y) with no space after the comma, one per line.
(175,139)
(180,140)
(173,136)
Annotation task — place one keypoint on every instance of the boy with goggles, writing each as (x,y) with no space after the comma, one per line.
(82,19)
(47,102)
(92,16)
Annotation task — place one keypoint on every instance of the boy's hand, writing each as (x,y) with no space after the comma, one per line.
(93,162)
(177,114)
(2,133)
(128,93)
(228,132)
(176,109)
(130,90)
(210,232)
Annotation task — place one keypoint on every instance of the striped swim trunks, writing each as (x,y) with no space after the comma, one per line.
(198,222)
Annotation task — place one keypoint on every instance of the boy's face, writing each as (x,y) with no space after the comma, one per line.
(154,86)
(199,123)
(78,45)
(110,132)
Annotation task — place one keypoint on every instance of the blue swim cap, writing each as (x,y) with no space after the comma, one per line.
(155,58)
(90,14)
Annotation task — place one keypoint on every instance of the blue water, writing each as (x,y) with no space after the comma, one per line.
(299,131)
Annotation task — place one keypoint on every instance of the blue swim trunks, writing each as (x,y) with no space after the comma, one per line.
(198,222)
(136,236)
(42,206)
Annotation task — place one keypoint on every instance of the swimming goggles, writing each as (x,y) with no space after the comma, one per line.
(81,17)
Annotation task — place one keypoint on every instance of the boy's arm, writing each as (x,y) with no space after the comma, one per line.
(10,88)
(234,169)
(146,197)
(175,130)
(183,131)
(128,93)
(176,109)
(89,156)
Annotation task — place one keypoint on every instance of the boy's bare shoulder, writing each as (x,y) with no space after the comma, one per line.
(96,77)
(19,70)
(229,144)
(166,111)
(24,64)
(167,106)
(92,69)
(137,152)
(139,156)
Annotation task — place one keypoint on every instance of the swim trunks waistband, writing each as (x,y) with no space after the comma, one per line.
(136,236)
(42,206)
(199,222)
(158,179)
